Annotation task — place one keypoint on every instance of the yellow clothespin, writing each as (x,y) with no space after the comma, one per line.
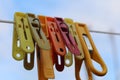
(90,51)
(22,39)
(37,32)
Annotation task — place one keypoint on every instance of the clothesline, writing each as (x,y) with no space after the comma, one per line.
(94,31)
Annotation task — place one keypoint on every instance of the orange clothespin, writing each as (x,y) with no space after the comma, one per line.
(90,51)
(41,74)
(45,63)
(68,39)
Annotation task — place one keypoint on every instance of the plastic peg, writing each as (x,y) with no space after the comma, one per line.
(74,34)
(67,37)
(37,32)
(46,56)
(22,39)
(86,39)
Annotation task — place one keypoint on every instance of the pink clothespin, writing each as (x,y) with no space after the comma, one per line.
(67,37)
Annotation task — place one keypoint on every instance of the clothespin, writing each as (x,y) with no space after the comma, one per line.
(22,39)
(90,51)
(67,37)
(37,32)
(57,43)
(45,63)
(74,34)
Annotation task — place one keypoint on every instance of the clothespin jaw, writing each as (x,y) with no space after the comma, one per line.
(68,39)
(22,39)
(92,53)
(37,32)
(46,70)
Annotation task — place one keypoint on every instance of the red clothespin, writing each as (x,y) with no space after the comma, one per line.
(57,43)
(67,37)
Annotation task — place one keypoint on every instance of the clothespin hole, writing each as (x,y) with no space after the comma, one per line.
(19,26)
(28,47)
(59,60)
(28,57)
(67,61)
(18,55)
(64,29)
(61,50)
(18,43)
(51,29)
(26,26)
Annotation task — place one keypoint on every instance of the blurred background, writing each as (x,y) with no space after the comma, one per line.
(100,15)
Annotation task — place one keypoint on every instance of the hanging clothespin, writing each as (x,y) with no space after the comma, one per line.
(45,62)
(57,43)
(89,49)
(67,37)
(74,34)
(37,32)
(22,39)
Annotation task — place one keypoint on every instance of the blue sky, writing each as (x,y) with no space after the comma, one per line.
(103,15)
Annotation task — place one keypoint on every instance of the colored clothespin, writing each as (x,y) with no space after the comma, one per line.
(68,39)
(37,32)
(45,63)
(38,36)
(57,43)
(90,51)
(22,39)
(74,34)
